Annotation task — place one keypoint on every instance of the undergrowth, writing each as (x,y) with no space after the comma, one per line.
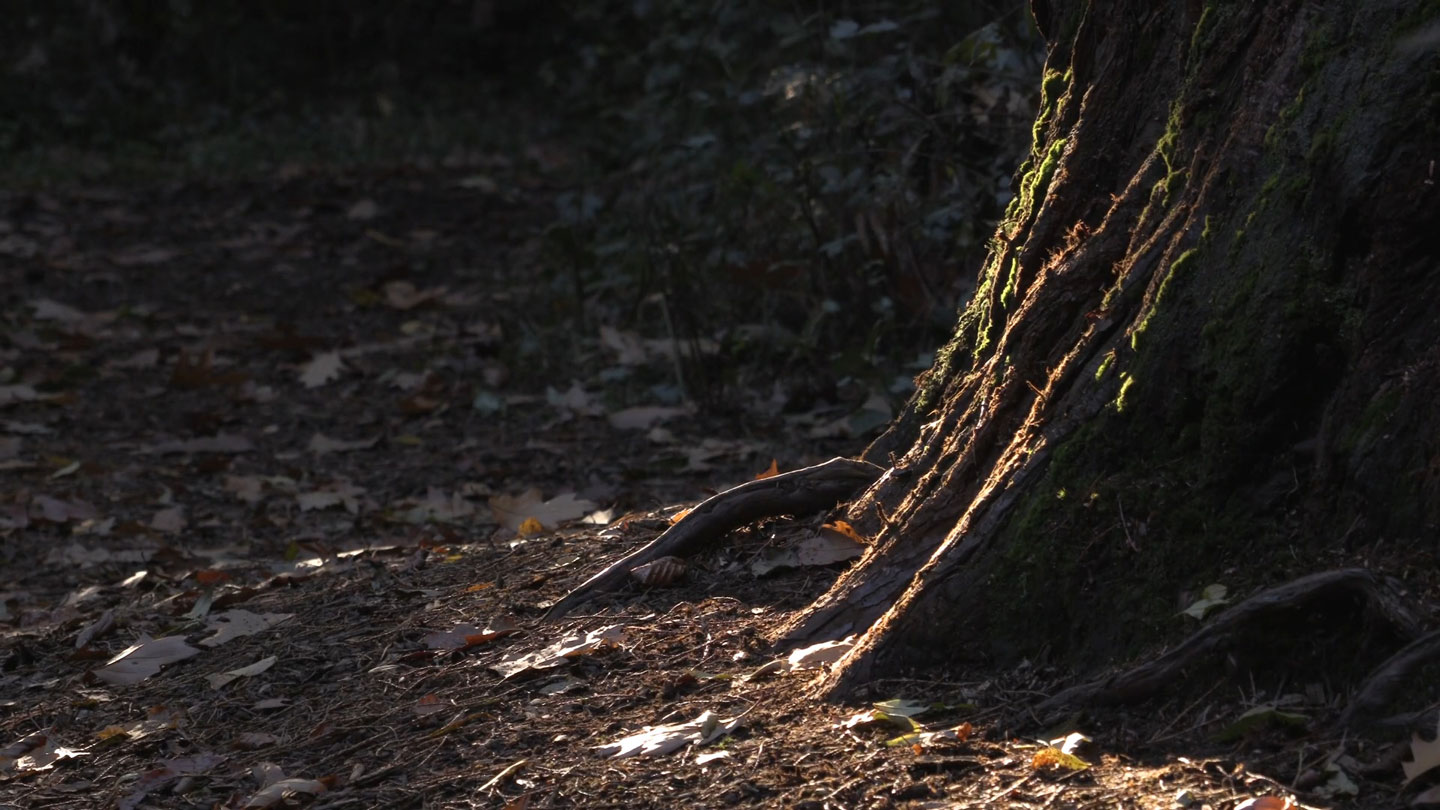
(810,188)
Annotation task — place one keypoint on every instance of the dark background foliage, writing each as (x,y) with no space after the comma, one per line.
(800,186)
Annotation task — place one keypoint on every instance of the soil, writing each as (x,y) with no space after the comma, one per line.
(168,367)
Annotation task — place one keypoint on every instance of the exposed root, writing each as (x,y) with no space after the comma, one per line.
(1381,595)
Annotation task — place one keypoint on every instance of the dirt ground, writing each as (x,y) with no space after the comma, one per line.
(299,397)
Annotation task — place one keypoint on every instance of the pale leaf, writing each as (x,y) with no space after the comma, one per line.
(321,369)
(220,679)
(245,487)
(143,659)
(642,418)
(657,740)
(219,443)
(1424,756)
(277,792)
(511,512)
(233,624)
(1212,597)
(559,653)
(818,656)
(170,520)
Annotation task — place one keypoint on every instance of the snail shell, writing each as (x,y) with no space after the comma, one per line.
(659,572)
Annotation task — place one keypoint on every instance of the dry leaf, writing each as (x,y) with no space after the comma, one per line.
(512,512)
(363,209)
(573,400)
(660,572)
(336,493)
(282,789)
(559,653)
(143,659)
(245,487)
(233,624)
(11,394)
(844,527)
(321,369)
(219,443)
(220,679)
(462,636)
(818,656)
(170,520)
(1424,756)
(1267,803)
(403,296)
(822,549)
(656,740)
(770,472)
(438,506)
(642,418)
(54,510)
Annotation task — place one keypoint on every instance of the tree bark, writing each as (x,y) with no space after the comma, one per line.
(1203,347)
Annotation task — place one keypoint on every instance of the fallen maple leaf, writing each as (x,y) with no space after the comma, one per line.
(512,511)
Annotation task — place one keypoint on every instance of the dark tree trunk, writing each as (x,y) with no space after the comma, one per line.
(1203,347)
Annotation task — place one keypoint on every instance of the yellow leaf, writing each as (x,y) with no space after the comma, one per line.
(844,527)
(771,472)
(679,516)
(530,527)
(1054,757)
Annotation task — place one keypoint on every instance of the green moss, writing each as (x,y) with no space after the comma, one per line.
(1203,28)
(1034,185)
(1052,87)
(1012,278)
(1105,365)
(1145,317)
(1121,399)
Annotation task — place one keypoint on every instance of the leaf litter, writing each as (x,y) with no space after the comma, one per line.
(297,474)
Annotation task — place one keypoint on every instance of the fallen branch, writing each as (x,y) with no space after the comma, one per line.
(809,489)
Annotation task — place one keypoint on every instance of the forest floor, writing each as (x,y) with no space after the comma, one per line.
(279,434)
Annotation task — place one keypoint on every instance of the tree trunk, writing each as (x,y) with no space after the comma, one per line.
(1202,349)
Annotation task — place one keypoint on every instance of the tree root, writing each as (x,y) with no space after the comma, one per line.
(809,489)
(1381,595)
